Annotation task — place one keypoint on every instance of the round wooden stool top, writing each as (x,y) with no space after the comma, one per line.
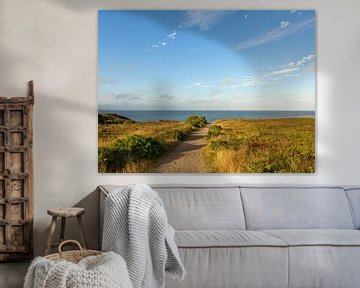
(66,211)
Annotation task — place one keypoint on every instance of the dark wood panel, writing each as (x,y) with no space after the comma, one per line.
(16,177)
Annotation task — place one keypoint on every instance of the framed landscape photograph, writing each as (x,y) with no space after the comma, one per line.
(206,91)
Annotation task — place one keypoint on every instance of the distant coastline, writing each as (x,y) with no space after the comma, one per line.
(211,115)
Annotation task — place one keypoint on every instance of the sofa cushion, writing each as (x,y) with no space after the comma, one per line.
(220,267)
(322,258)
(198,206)
(204,208)
(226,238)
(296,208)
(315,237)
(324,266)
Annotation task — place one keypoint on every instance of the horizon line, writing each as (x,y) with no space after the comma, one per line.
(306,110)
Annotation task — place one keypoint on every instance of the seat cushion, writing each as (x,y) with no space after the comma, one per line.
(296,208)
(220,267)
(324,266)
(225,238)
(317,237)
(322,258)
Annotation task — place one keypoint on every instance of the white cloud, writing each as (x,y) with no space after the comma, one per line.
(172,35)
(202,19)
(200,84)
(164,42)
(303,61)
(158,45)
(272,75)
(283,71)
(284,24)
(276,34)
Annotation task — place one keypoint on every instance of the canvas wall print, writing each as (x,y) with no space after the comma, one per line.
(206,91)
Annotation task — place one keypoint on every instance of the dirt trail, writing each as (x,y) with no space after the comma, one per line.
(186,157)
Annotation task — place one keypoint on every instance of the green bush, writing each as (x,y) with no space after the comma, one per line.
(174,135)
(196,121)
(135,147)
(111,159)
(215,130)
(140,147)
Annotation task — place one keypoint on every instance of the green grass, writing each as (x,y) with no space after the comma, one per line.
(285,145)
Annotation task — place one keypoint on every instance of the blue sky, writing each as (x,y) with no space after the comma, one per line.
(206,60)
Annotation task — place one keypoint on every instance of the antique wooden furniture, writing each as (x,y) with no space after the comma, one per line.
(64,213)
(16,177)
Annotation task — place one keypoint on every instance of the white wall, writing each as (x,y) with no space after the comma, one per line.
(55,44)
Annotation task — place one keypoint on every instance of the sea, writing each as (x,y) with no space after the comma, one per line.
(211,115)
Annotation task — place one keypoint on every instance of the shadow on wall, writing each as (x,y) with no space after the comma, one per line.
(67,169)
(60,149)
(91,222)
(142,10)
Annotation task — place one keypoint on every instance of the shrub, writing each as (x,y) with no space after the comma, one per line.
(115,157)
(140,147)
(215,130)
(175,135)
(196,121)
(111,159)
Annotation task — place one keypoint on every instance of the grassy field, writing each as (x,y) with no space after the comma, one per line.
(284,145)
(127,146)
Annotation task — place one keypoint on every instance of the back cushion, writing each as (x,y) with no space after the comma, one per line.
(192,208)
(354,198)
(296,208)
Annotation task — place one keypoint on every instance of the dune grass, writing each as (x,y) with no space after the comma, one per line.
(285,145)
(132,147)
(127,146)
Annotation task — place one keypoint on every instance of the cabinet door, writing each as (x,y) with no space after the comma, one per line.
(16,212)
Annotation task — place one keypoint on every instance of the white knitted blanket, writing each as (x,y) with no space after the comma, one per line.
(103,271)
(136,227)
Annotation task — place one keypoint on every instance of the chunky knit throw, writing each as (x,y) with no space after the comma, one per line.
(102,271)
(136,227)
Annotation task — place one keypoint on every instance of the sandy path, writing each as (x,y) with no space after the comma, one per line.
(186,157)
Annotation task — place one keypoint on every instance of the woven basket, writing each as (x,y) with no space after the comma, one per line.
(72,256)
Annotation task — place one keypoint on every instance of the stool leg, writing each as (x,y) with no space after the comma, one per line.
(62,230)
(82,232)
(51,235)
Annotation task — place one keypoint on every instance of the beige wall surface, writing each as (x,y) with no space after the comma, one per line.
(55,44)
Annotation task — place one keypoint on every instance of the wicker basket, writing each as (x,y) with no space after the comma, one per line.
(72,256)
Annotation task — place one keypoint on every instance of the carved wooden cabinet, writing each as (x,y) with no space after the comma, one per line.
(16,177)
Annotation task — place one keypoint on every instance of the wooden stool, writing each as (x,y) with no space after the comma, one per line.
(64,213)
